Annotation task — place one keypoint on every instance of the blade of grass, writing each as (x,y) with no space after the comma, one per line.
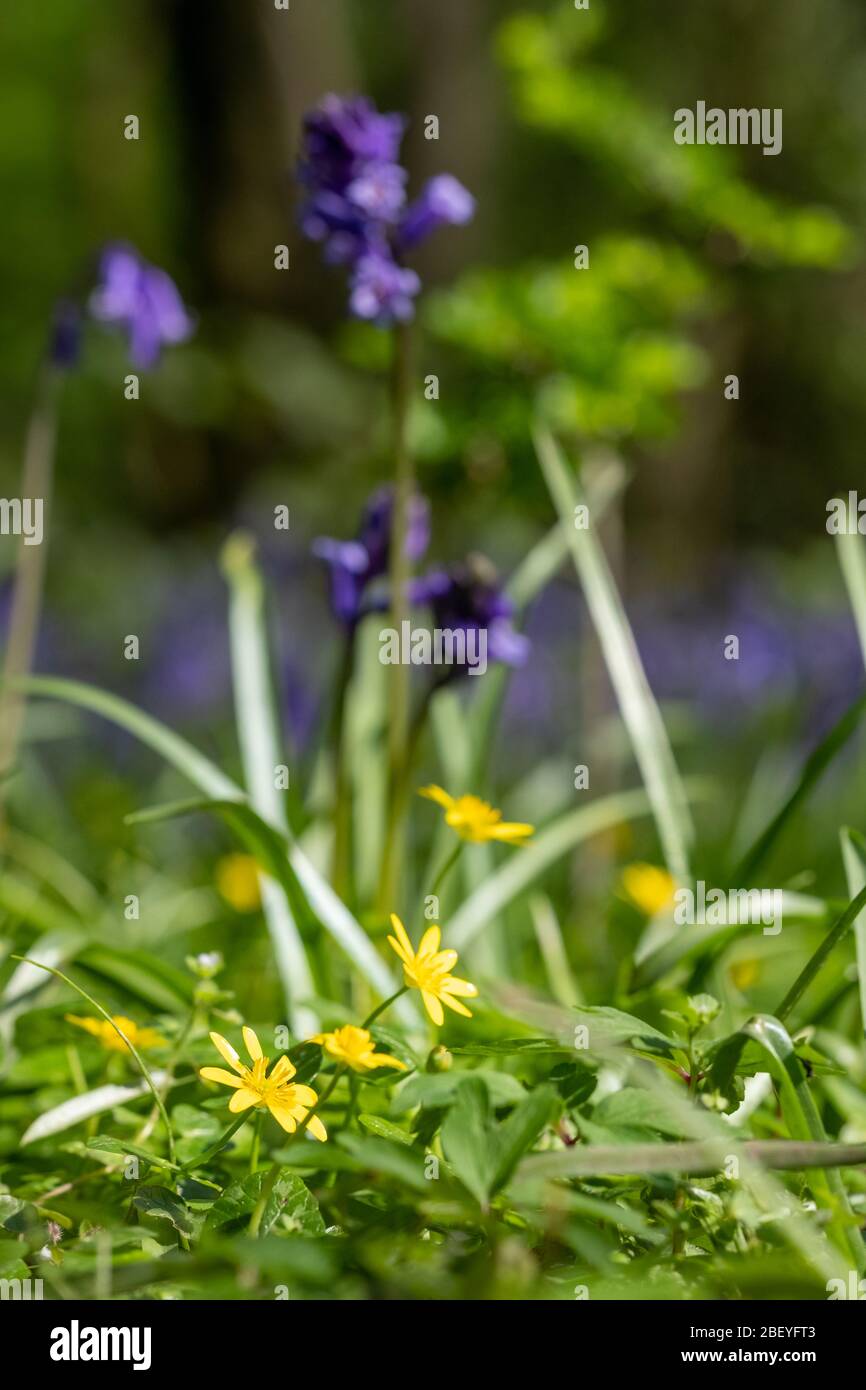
(854,856)
(639,710)
(548,934)
(814,767)
(258,737)
(839,929)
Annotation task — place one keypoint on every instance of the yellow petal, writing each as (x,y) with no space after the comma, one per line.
(446,960)
(225,1078)
(511,830)
(252,1044)
(243,1099)
(317,1129)
(381,1059)
(457,1007)
(90,1025)
(433,1007)
(453,985)
(281,1071)
(403,946)
(283,1116)
(304,1095)
(227,1052)
(438,794)
(430,942)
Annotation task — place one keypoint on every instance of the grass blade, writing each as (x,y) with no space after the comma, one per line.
(854,856)
(814,767)
(257,729)
(639,710)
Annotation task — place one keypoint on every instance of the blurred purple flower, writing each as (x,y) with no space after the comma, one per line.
(143,300)
(356,564)
(469,596)
(355,204)
(443,200)
(382,290)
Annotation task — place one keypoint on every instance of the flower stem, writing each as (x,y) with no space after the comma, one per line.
(257,1142)
(449,863)
(200,1159)
(36,483)
(259,1208)
(380,1008)
(398,711)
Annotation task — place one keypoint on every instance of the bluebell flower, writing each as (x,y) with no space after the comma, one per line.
(470,597)
(381,290)
(356,564)
(443,200)
(355,204)
(142,300)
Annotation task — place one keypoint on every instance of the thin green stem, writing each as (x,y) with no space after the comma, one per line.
(199,1160)
(386,1004)
(256,1145)
(36,484)
(259,1208)
(398,711)
(142,1066)
(449,863)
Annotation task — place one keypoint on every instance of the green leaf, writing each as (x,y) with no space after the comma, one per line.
(162,1204)
(520,1130)
(639,710)
(79,1108)
(437,1090)
(289,1197)
(384,1129)
(854,857)
(146,976)
(382,1156)
(467,1139)
(107,1144)
(635,1109)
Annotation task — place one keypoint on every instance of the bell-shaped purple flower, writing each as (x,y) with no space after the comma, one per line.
(383,291)
(355,564)
(443,200)
(470,597)
(142,300)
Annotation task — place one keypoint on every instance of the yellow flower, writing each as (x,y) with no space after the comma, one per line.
(649,887)
(744,973)
(430,971)
(287,1103)
(475,820)
(237,879)
(355,1047)
(100,1028)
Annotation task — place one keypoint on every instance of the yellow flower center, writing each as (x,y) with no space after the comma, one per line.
(470,816)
